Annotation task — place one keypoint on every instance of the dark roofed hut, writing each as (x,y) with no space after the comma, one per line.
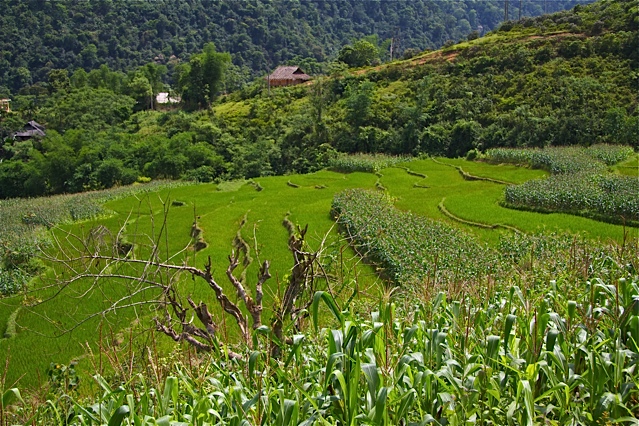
(287,76)
(31,130)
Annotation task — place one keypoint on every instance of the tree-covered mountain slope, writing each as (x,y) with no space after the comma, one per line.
(565,79)
(38,36)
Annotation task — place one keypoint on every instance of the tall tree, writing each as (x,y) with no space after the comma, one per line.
(141,89)
(360,54)
(201,79)
(59,80)
(154,73)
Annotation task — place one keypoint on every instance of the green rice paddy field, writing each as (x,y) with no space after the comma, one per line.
(219,210)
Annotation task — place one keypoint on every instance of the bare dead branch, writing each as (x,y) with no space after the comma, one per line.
(205,317)
(98,255)
(254,306)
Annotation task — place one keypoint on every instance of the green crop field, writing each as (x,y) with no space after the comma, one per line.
(630,167)
(418,186)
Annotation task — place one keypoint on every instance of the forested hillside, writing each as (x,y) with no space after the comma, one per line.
(564,79)
(38,36)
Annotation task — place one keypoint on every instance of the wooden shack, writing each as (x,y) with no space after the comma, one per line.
(287,76)
(31,130)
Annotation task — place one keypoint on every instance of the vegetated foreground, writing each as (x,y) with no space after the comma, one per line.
(544,329)
(507,325)
(562,351)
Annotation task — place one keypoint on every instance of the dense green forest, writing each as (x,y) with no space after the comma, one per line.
(39,36)
(568,78)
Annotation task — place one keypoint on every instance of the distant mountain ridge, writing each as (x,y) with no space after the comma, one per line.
(38,36)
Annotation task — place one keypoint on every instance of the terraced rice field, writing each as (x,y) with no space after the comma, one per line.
(418,186)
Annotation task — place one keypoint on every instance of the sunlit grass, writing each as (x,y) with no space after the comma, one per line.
(478,201)
(219,214)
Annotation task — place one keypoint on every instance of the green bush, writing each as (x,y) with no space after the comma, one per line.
(201,174)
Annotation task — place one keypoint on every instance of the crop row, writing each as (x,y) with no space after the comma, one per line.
(610,196)
(579,183)
(371,163)
(559,160)
(410,249)
(610,154)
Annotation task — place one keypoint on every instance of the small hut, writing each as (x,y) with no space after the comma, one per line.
(287,76)
(166,100)
(31,130)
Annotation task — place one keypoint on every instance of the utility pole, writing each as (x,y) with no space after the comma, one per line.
(505,10)
(394,46)
(520,2)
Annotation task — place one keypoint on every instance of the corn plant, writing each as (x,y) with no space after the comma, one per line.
(558,160)
(412,250)
(578,184)
(522,356)
(371,163)
(606,196)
